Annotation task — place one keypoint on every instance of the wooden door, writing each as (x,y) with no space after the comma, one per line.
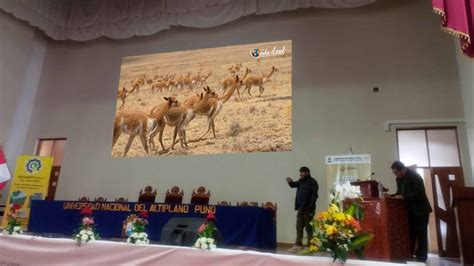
(443,180)
(55,149)
(53,182)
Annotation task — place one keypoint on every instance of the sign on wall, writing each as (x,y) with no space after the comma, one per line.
(249,114)
(347,167)
(30,182)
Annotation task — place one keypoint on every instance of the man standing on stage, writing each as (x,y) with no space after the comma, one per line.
(305,205)
(411,188)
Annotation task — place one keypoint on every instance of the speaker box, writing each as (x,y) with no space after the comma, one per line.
(183,232)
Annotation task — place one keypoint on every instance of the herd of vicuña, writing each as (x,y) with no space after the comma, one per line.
(179,114)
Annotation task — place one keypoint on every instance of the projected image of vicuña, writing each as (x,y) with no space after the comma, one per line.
(233,99)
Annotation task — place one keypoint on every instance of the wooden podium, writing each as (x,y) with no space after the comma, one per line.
(369,188)
(386,219)
(463,203)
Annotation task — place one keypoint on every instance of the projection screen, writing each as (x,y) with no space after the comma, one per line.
(233,99)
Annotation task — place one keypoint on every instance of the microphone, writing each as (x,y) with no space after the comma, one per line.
(370,176)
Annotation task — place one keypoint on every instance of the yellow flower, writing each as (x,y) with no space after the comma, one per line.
(313,248)
(330,230)
(340,217)
(333,208)
(323,215)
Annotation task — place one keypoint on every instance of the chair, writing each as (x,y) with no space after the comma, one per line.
(147,195)
(121,199)
(200,196)
(100,199)
(272,207)
(84,199)
(174,196)
(224,203)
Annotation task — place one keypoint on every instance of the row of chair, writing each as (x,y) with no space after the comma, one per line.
(174,195)
(199,196)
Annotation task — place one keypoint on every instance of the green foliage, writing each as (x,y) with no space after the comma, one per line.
(361,240)
(207,230)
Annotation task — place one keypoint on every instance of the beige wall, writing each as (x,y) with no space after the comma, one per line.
(22,52)
(338,57)
(17,39)
(466,78)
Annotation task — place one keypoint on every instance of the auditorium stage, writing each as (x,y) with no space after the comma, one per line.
(25,249)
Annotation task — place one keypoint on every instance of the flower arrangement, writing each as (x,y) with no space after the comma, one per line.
(86,231)
(206,234)
(13,221)
(138,234)
(338,231)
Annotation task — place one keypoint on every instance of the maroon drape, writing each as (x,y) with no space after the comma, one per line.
(457,19)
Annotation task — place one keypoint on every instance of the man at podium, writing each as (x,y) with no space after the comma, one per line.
(411,188)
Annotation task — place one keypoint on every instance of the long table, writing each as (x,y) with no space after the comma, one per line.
(240,226)
(28,250)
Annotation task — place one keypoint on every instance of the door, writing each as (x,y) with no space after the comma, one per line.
(436,153)
(443,180)
(53,182)
(55,149)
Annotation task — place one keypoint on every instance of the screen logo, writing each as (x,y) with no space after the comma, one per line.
(265,52)
(255,53)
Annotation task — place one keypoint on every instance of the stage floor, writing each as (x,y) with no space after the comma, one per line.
(26,249)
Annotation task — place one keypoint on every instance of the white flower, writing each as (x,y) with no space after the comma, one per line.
(138,242)
(92,237)
(147,241)
(82,232)
(129,240)
(210,241)
(203,240)
(345,191)
(134,235)
(204,246)
(16,228)
(212,246)
(198,241)
(89,232)
(84,237)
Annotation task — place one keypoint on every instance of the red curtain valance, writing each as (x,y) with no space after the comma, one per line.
(457,19)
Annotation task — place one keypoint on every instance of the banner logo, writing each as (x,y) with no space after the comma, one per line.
(33,166)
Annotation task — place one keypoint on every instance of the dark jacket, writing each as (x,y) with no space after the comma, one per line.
(412,188)
(306,193)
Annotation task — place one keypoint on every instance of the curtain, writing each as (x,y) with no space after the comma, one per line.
(83,20)
(457,19)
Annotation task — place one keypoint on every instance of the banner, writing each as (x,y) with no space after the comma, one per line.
(347,167)
(30,182)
